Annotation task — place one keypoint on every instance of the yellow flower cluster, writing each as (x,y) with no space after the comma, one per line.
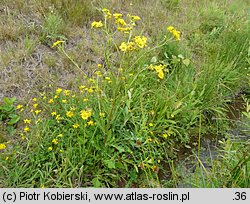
(75,126)
(2,146)
(138,42)
(55,141)
(175,33)
(69,114)
(97,24)
(122,25)
(141,42)
(107,13)
(124,47)
(85,114)
(159,70)
(117,15)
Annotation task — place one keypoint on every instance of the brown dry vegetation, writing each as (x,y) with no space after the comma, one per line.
(27,62)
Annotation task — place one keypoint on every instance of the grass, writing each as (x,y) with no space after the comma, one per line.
(107,108)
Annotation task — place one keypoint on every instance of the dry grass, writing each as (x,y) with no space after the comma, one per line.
(27,63)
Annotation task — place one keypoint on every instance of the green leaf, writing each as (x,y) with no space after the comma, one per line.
(6,100)
(14,119)
(119,148)
(96,183)
(9,101)
(110,163)
(8,108)
(186,62)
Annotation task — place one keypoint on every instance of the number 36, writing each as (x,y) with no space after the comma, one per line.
(240,196)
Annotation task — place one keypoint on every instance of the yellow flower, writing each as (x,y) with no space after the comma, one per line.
(165,135)
(141,42)
(90,90)
(56,96)
(57,43)
(159,69)
(58,117)
(99,65)
(161,74)
(75,125)
(64,101)
(170,28)
(130,46)
(175,33)
(102,114)
(82,87)
(121,22)
(50,148)
(6,158)
(51,101)
(127,46)
(151,124)
(96,24)
(90,123)
(55,141)
(135,18)
(98,73)
(34,99)
(26,129)
(58,91)
(106,12)
(19,106)
(2,146)
(123,47)
(66,92)
(60,150)
(85,114)
(85,99)
(124,29)
(117,15)
(35,105)
(53,113)
(91,80)
(60,135)
(27,121)
(37,111)
(69,114)
(150,139)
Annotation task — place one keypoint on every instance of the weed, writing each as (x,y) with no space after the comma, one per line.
(133,92)
(8,115)
(53,27)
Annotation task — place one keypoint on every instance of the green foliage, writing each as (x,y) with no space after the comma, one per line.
(8,115)
(53,28)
